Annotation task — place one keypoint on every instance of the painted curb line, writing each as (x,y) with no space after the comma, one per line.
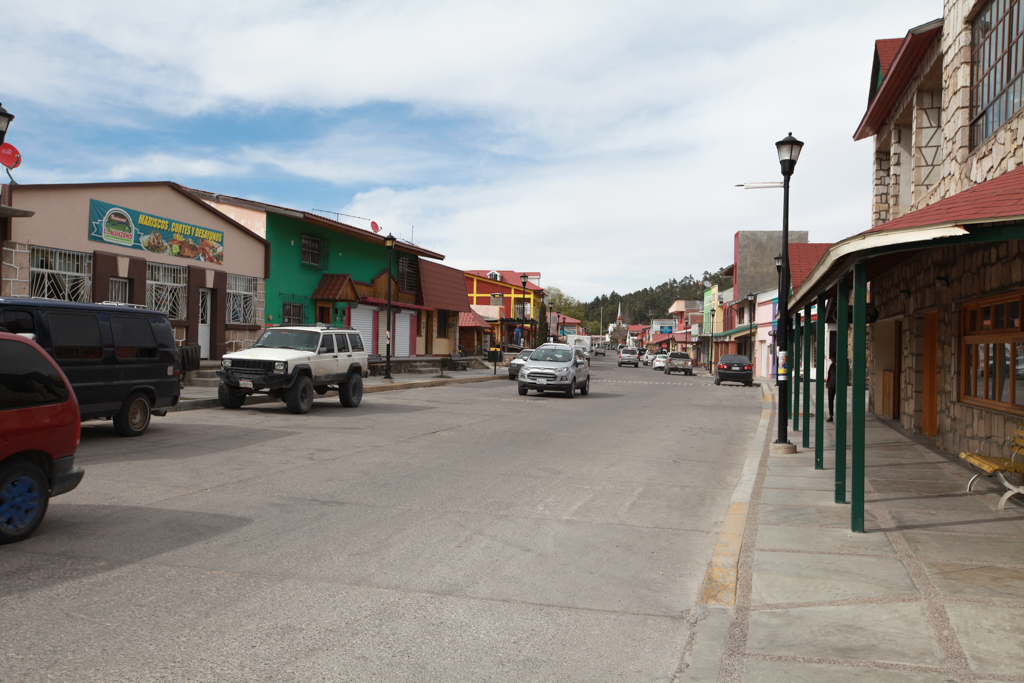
(201,403)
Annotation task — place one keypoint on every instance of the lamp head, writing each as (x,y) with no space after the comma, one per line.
(389,241)
(789,151)
(750,297)
(5,120)
(524,278)
(778,263)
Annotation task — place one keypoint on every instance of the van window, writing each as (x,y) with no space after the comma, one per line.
(357,342)
(27,378)
(342,341)
(75,336)
(133,337)
(18,322)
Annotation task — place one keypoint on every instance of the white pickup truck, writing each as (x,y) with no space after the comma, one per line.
(679,361)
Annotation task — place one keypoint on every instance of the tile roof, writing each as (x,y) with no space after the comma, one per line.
(472,319)
(993,200)
(443,287)
(510,277)
(802,259)
(567,320)
(637,328)
(886,49)
(335,287)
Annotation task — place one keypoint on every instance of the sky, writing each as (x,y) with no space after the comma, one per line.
(596,142)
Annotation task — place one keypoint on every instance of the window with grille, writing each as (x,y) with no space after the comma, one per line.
(314,252)
(291,314)
(61,274)
(997,67)
(408,273)
(241,300)
(992,353)
(167,289)
(118,290)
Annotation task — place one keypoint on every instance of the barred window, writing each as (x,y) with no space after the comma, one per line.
(167,289)
(118,290)
(241,300)
(291,314)
(314,251)
(408,273)
(61,274)
(992,353)
(997,67)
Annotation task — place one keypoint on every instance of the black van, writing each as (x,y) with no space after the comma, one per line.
(121,360)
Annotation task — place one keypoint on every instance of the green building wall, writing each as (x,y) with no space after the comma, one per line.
(292,282)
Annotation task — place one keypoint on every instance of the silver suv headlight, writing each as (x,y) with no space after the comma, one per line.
(280,366)
(225,363)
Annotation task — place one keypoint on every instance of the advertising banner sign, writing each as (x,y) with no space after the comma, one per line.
(133,229)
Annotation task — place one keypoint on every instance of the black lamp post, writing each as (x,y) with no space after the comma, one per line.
(5,120)
(789,151)
(389,242)
(750,306)
(524,278)
(775,333)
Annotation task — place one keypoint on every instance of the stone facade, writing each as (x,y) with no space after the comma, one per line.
(15,279)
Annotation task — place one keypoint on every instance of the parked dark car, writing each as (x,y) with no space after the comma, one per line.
(121,360)
(39,432)
(734,369)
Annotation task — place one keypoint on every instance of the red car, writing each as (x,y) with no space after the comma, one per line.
(39,432)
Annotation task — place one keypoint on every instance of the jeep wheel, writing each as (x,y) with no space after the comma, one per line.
(134,416)
(24,493)
(230,398)
(585,389)
(351,392)
(300,396)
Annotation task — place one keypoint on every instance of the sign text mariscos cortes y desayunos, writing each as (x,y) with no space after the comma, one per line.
(136,230)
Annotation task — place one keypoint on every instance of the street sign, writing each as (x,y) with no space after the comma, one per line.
(374,226)
(9,156)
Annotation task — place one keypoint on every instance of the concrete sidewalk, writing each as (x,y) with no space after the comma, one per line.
(933,592)
(193,398)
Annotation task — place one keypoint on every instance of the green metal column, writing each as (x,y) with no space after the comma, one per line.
(795,378)
(860,300)
(842,378)
(807,376)
(819,388)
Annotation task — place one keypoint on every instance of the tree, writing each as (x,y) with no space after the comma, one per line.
(618,333)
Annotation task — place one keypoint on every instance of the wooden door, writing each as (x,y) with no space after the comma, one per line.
(930,420)
(323,313)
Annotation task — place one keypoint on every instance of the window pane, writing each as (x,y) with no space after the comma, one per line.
(990,380)
(1005,353)
(986,318)
(341,341)
(1000,317)
(19,322)
(327,343)
(357,342)
(969,370)
(75,336)
(972,320)
(133,337)
(27,378)
(1018,376)
(979,372)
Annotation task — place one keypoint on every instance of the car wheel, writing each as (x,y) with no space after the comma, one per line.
(230,398)
(571,391)
(523,391)
(511,376)
(718,382)
(351,392)
(134,416)
(749,384)
(300,395)
(24,494)
(585,389)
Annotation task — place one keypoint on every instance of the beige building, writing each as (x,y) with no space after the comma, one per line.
(147,244)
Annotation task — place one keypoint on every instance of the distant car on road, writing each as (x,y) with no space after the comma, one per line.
(734,369)
(39,430)
(629,357)
(659,360)
(648,357)
(679,361)
(599,351)
(518,362)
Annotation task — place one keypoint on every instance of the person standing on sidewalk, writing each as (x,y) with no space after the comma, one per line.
(830,382)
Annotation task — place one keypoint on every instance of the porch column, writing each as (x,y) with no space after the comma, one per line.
(819,388)
(796,371)
(807,376)
(842,377)
(860,290)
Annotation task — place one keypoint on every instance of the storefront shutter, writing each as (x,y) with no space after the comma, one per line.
(362,320)
(403,326)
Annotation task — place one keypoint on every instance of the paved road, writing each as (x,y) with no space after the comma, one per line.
(453,533)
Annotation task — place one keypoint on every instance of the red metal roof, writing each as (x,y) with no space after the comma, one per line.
(998,199)
(637,328)
(443,287)
(886,50)
(473,319)
(567,320)
(901,69)
(332,287)
(510,277)
(802,259)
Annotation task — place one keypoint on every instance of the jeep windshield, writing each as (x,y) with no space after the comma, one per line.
(300,340)
(552,355)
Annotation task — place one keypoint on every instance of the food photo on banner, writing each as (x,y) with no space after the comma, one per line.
(125,227)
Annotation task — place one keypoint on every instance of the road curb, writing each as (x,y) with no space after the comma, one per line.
(201,403)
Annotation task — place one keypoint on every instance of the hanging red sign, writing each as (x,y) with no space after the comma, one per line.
(9,156)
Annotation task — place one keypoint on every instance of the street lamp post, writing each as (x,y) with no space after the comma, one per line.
(524,277)
(789,151)
(775,344)
(750,306)
(389,242)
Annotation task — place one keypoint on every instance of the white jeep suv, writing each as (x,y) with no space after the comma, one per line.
(293,363)
(556,367)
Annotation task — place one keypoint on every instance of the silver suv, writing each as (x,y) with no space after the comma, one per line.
(556,367)
(293,363)
(629,357)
